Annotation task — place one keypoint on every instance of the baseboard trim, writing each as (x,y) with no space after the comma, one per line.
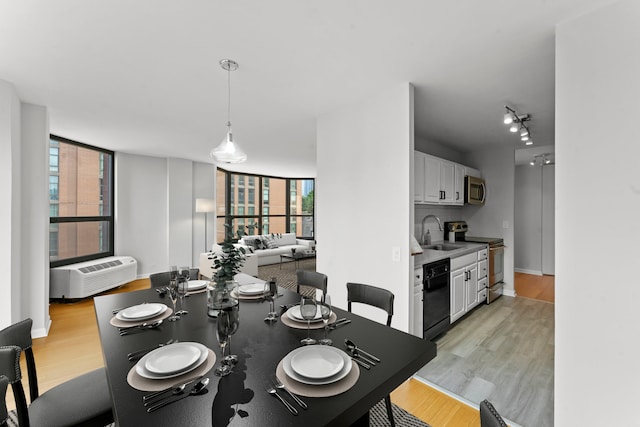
(458,398)
(525,271)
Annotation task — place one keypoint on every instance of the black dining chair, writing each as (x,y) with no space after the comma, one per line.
(81,401)
(312,279)
(4,382)
(160,279)
(489,417)
(376,297)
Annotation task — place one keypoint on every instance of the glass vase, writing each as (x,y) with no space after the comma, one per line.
(221,295)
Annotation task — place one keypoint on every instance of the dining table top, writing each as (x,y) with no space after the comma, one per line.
(240,398)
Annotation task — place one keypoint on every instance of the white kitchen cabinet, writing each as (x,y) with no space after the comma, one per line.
(438,181)
(432,190)
(458,304)
(447,182)
(418,307)
(418,173)
(458,182)
(466,282)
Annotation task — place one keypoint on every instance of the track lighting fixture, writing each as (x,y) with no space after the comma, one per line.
(517,123)
(541,160)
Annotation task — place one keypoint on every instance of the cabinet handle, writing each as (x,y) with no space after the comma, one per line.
(457,195)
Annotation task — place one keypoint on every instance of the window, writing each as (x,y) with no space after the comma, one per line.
(80,202)
(285,205)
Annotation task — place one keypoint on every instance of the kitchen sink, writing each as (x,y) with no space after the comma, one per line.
(442,247)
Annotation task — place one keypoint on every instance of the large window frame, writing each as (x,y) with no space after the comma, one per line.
(259,213)
(106,217)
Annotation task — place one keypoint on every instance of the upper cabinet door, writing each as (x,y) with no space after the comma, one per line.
(458,195)
(432,188)
(418,176)
(447,183)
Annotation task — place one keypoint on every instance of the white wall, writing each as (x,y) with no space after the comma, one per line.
(597,184)
(497,165)
(548,219)
(10,210)
(156,221)
(364,199)
(34,231)
(528,220)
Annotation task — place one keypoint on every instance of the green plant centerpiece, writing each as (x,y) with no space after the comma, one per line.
(222,290)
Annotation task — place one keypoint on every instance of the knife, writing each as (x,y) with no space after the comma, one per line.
(339,323)
(361,363)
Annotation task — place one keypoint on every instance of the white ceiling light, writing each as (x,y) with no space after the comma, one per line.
(508,118)
(541,160)
(228,151)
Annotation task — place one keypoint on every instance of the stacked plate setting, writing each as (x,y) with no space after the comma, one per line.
(140,312)
(172,360)
(317,365)
(251,289)
(294,314)
(196,285)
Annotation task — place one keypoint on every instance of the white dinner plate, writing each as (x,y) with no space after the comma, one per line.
(170,359)
(143,372)
(196,285)
(317,362)
(346,368)
(251,289)
(141,312)
(294,314)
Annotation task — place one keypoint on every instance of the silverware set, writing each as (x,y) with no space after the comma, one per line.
(160,399)
(135,355)
(272,388)
(338,323)
(361,357)
(143,326)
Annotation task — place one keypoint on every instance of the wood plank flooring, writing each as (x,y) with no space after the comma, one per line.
(503,352)
(73,347)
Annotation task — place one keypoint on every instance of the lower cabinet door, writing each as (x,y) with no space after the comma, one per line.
(458,307)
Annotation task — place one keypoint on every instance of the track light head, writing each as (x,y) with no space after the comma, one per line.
(508,118)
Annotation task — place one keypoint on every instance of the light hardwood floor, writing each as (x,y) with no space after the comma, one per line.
(73,347)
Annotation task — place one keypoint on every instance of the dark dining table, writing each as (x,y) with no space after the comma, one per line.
(240,398)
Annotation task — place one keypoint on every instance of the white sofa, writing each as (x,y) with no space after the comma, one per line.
(249,267)
(282,244)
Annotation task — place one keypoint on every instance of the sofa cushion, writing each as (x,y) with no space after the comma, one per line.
(286,239)
(254,242)
(270,241)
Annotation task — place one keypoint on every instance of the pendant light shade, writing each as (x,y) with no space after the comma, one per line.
(228,150)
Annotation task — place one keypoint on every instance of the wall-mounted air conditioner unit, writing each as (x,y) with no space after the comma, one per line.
(91,277)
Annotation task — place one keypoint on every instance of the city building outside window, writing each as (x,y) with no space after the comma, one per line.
(285,205)
(81,194)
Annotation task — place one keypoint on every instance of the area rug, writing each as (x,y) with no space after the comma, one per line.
(285,274)
(378,417)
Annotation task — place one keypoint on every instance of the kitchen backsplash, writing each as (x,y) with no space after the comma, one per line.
(444,213)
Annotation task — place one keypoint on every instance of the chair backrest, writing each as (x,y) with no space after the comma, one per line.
(19,334)
(4,382)
(10,369)
(371,295)
(489,417)
(160,279)
(194,273)
(313,279)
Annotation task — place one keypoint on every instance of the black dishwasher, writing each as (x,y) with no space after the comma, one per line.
(436,298)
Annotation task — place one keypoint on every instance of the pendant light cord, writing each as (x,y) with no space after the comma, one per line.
(229,97)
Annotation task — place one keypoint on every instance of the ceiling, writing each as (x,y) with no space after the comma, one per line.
(143,76)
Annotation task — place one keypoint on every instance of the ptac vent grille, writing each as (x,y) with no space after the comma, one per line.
(101,266)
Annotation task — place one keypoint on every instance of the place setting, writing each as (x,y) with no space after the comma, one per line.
(140,317)
(170,366)
(316,370)
(196,286)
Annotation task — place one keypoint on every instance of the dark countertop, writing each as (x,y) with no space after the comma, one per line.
(431,255)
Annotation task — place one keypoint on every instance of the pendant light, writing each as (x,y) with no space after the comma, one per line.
(228,151)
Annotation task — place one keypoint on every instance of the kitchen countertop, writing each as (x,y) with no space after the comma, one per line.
(431,255)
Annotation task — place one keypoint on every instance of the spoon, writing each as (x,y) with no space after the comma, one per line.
(198,388)
(350,343)
(153,396)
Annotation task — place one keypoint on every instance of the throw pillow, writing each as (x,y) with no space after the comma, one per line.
(269,241)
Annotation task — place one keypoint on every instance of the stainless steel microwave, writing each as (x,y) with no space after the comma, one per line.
(474,190)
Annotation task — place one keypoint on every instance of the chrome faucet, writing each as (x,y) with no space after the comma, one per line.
(424,220)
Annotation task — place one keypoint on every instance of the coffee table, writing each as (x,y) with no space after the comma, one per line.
(297,256)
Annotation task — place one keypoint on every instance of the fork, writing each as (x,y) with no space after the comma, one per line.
(277,384)
(271,390)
